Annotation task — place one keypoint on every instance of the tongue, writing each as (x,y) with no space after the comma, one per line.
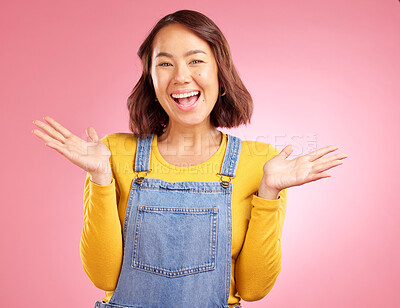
(187,101)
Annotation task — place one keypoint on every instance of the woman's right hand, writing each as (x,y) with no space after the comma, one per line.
(93,156)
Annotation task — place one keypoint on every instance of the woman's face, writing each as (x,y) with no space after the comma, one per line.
(183,64)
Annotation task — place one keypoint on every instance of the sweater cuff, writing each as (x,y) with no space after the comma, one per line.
(270,205)
(102,190)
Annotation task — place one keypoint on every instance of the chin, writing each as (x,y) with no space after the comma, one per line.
(193,121)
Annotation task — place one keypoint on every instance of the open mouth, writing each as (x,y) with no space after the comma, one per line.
(187,101)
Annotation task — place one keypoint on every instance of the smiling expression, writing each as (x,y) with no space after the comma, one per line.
(183,64)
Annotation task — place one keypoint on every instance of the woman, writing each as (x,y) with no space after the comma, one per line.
(179,214)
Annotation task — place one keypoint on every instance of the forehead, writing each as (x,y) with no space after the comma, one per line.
(177,39)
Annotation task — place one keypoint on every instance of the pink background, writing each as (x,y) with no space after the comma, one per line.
(320,73)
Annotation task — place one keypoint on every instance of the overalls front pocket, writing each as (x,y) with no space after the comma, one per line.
(175,241)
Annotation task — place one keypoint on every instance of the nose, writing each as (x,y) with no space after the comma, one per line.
(182,74)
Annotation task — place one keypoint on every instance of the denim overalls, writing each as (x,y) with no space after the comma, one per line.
(177,238)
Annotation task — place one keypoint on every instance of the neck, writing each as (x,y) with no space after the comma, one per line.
(181,140)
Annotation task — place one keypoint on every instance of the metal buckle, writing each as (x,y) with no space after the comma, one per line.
(139,179)
(224,183)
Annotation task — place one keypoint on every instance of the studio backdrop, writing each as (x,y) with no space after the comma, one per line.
(320,73)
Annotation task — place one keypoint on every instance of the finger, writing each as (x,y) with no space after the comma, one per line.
(50,131)
(321,152)
(326,166)
(91,133)
(57,126)
(286,151)
(318,176)
(46,138)
(333,158)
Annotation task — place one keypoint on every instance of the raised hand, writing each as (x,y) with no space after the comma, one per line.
(93,156)
(280,173)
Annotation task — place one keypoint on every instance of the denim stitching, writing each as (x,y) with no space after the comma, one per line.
(148,151)
(232,151)
(224,163)
(170,274)
(213,191)
(214,238)
(185,185)
(127,214)
(99,304)
(230,157)
(151,209)
(236,142)
(143,149)
(229,240)
(135,240)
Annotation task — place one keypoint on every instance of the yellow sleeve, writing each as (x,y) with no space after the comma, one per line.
(101,244)
(259,262)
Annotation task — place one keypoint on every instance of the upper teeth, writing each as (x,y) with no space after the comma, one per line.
(188,94)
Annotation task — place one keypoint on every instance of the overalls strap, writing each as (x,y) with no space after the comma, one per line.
(231,157)
(143,151)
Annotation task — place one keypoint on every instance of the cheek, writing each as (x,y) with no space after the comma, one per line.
(159,80)
(209,77)
(208,73)
(155,82)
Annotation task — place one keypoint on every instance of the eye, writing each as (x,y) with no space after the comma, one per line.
(164,64)
(196,61)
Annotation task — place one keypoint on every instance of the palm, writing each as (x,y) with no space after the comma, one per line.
(280,173)
(92,156)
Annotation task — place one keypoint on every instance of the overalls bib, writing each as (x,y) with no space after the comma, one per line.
(177,239)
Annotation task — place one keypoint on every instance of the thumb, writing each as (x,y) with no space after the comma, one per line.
(91,133)
(286,151)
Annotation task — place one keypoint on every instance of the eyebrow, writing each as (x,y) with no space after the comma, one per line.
(190,52)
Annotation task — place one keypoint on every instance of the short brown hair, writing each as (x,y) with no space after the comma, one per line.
(231,110)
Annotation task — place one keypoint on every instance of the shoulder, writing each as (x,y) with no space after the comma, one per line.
(257,150)
(120,143)
(253,156)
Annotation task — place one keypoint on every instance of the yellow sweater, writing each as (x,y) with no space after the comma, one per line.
(256,222)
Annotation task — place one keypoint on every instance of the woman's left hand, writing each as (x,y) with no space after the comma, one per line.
(280,173)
